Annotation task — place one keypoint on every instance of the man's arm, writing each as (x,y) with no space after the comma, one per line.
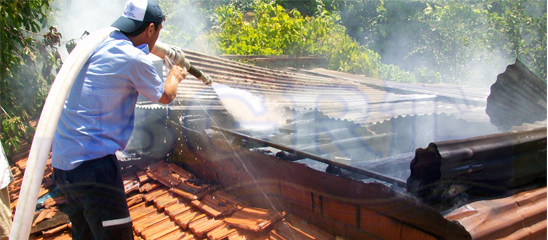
(175,76)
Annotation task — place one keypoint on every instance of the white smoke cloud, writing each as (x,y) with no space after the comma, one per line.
(74,17)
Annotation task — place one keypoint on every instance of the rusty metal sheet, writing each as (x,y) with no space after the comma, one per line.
(518,96)
(496,163)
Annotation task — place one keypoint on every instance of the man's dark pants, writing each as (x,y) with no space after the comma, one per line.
(96,201)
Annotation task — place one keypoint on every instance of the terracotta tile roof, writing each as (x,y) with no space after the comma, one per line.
(520,216)
(160,213)
(221,232)
(51,202)
(18,170)
(45,214)
(176,209)
(57,230)
(163,213)
(167,202)
(203,226)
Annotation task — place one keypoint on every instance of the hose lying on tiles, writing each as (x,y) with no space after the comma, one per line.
(43,137)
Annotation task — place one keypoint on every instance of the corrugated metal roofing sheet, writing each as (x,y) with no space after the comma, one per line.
(404,116)
(496,163)
(338,95)
(518,96)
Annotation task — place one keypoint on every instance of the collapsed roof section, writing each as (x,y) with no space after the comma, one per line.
(342,117)
(341,121)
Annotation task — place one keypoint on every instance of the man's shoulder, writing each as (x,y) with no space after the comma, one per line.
(121,48)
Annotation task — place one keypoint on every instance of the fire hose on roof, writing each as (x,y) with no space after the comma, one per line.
(47,124)
(177,55)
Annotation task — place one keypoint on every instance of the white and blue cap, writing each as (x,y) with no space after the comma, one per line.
(138,12)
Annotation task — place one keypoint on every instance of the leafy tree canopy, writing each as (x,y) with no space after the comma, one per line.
(27,59)
(469,41)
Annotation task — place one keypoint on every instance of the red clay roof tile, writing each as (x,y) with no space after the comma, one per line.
(201,228)
(142,223)
(136,214)
(131,183)
(218,204)
(57,230)
(253,219)
(165,231)
(160,226)
(138,198)
(187,217)
(177,209)
(147,187)
(221,232)
(142,176)
(155,193)
(45,214)
(50,202)
(295,226)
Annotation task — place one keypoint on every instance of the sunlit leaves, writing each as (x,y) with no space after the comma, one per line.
(26,67)
(271,30)
(466,41)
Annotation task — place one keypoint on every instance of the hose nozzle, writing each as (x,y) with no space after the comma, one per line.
(177,55)
(206,79)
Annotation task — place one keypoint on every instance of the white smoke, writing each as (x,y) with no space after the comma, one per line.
(74,17)
(187,26)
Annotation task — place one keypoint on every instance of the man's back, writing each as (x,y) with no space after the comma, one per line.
(98,116)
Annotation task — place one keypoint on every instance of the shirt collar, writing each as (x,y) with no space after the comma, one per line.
(120,36)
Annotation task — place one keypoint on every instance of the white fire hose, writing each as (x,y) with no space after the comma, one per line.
(161,49)
(51,112)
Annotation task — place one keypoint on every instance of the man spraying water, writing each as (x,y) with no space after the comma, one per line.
(97,120)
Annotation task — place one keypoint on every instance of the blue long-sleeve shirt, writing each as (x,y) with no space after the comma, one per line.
(97,118)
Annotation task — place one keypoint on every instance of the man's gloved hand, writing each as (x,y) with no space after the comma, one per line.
(178,72)
(178,54)
(206,79)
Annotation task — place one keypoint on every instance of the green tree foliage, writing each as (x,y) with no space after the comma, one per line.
(308,7)
(271,30)
(26,66)
(466,41)
(189,21)
(522,24)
